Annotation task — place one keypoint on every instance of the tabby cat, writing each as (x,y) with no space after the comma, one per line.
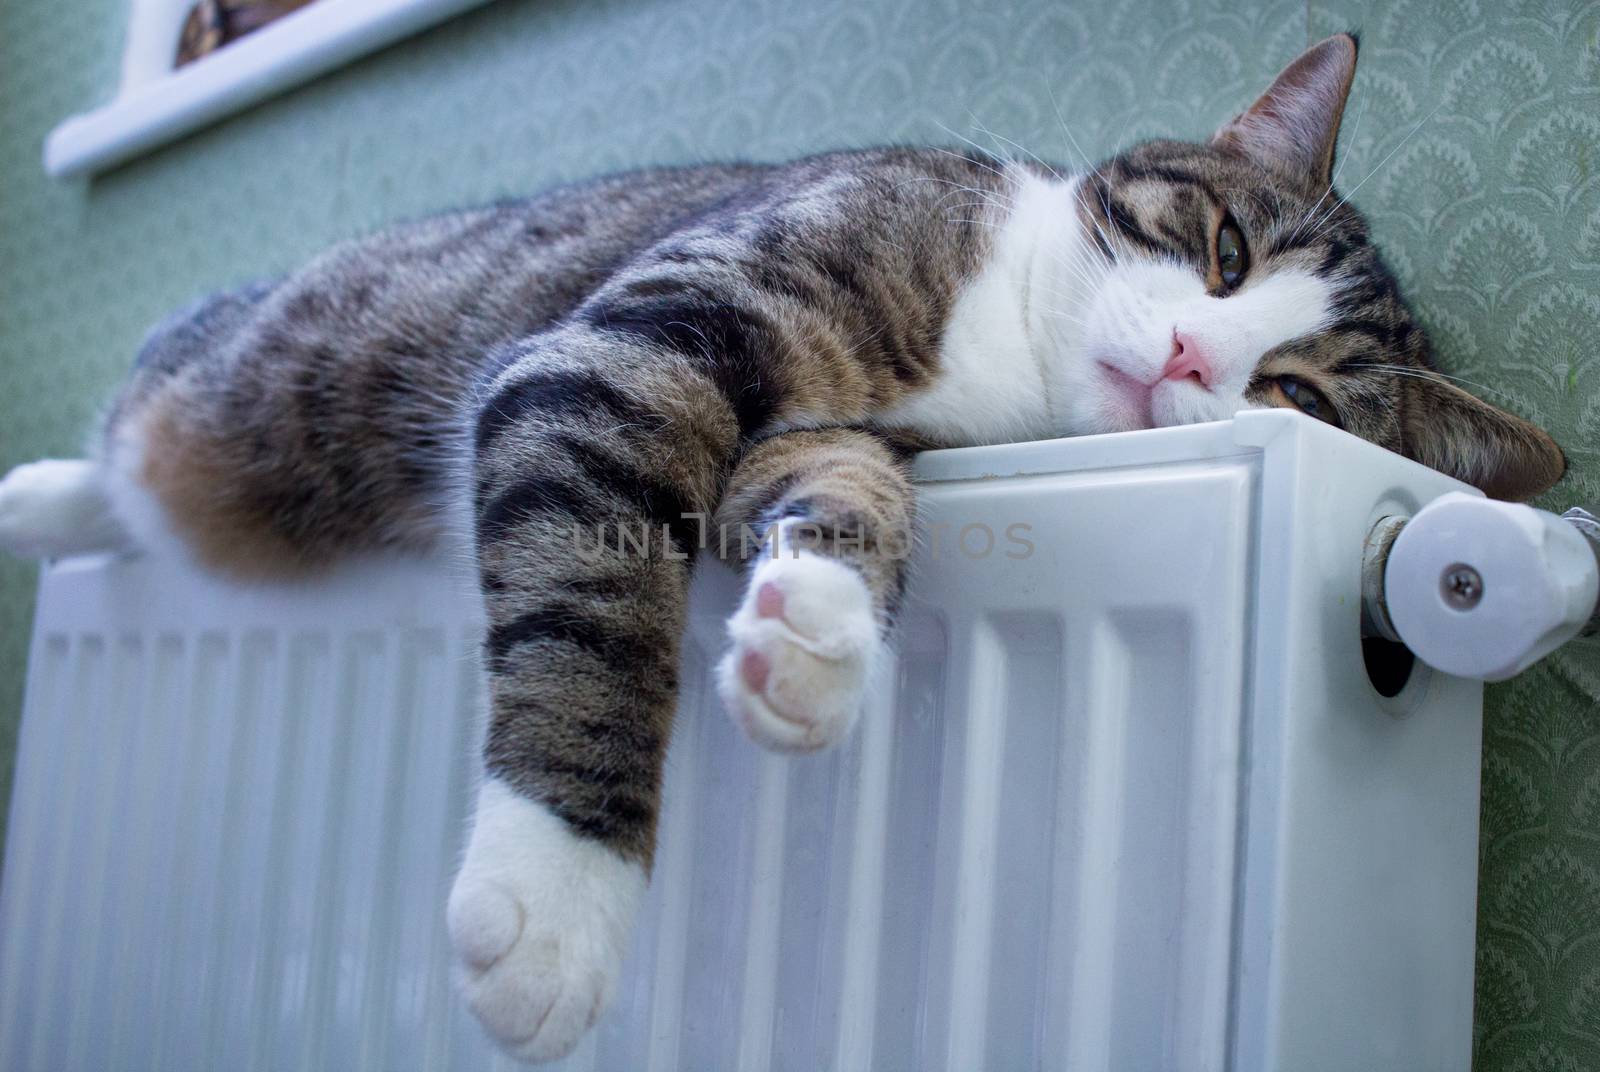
(671,351)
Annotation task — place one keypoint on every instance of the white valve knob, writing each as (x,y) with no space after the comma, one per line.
(1483,589)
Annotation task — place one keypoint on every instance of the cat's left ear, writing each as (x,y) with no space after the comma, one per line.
(1445,428)
(1295,124)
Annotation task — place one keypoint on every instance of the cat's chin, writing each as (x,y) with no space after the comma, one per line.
(1112,400)
(1175,403)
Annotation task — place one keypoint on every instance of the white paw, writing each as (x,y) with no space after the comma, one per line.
(540,920)
(804,643)
(52,508)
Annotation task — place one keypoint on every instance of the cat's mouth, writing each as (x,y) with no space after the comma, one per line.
(1131,398)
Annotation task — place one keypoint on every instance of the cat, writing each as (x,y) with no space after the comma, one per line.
(678,349)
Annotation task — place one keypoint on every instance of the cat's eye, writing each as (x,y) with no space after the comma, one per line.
(1233,260)
(1311,401)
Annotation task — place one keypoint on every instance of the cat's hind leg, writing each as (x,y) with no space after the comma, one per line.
(832,510)
(58,507)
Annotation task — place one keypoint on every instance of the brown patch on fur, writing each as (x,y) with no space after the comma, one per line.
(190,480)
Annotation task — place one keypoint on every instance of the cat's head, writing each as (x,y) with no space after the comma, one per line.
(1227,275)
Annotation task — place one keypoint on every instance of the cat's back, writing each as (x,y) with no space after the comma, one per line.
(515,265)
(526,262)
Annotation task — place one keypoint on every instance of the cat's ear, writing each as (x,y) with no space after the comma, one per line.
(1294,126)
(1445,428)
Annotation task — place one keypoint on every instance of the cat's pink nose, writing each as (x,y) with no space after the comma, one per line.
(1189,359)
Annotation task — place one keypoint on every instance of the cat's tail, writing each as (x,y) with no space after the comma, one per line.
(55,508)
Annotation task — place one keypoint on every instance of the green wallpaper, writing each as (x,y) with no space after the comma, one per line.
(1490,212)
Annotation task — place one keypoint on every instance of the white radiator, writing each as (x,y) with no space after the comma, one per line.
(1126,803)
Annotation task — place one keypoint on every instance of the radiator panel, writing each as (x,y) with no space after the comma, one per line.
(238,812)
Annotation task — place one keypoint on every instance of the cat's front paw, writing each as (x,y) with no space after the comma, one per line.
(540,920)
(804,643)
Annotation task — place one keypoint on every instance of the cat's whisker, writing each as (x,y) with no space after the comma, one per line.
(1019,147)
(1075,296)
(1080,289)
(1083,287)
(971,204)
(994,199)
(999,197)
(1088,275)
(1061,119)
(949,182)
(1113,245)
(994,151)
(1088,164)
(1055,314)
(997,172)
(1433,374)
(1390,156)
(1090,278)
(1338,168)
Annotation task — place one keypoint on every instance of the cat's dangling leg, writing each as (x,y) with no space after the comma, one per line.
(58,507)
(832,511)
(594,458)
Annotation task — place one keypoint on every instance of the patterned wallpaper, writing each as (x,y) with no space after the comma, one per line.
(1490,213)
(1473,141)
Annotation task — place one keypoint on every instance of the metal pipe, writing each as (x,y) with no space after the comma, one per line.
(1589,526)
(1375,620)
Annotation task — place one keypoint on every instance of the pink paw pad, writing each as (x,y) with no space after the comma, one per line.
(754,668)
(769,601)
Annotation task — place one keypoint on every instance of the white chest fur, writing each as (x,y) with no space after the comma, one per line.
(996,384)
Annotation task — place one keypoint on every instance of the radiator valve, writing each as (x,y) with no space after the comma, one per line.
(1482,589)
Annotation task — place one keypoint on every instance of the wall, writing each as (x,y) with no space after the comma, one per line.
(1490,212)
